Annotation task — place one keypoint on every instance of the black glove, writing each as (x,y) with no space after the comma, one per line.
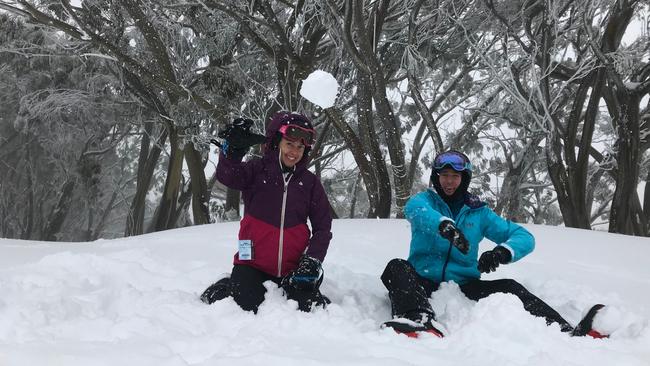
(238,138)
(491,259)
(307,276)
(450,232)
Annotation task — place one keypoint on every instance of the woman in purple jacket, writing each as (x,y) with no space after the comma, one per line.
(279,194)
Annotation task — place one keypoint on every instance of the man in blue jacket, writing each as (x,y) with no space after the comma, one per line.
(447,224)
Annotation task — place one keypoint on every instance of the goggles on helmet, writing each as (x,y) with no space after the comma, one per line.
(297,133)
(452,159)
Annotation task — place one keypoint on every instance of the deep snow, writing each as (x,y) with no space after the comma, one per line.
(134,301)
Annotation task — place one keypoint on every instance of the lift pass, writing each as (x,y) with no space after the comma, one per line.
(245,250)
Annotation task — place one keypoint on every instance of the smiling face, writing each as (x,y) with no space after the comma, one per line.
(450,180)
(291,152)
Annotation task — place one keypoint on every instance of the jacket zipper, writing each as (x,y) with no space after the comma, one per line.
(444,267)
(284,206)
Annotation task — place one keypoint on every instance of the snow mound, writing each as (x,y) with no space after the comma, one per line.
(134,301)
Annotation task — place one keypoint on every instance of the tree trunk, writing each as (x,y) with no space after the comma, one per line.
(560,182)
(332,211)
(578,167)
(622,220)
(104,219)
(367,132)
(509,199)
(28,226)
(184,198)
(59,212)
(561,175)
(147,162)
(359,154)
(353,199)
(392,128)
(165,215)
(416,150)
(199,186)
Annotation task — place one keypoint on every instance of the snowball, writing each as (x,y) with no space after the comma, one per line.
(320,88)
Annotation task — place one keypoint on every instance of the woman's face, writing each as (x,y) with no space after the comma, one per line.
(291,152)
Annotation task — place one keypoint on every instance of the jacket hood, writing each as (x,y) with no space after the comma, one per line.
(461,191)
(273,138)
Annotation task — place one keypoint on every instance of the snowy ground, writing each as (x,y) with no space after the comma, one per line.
(135,302)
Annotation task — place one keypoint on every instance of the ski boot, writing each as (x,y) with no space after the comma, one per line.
(585,327)
(414,324)
(217,291)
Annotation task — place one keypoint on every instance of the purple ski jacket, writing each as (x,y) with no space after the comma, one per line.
(275,216)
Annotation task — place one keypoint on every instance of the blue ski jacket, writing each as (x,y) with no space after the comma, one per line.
(436,259)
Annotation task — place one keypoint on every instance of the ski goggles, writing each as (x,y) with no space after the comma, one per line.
(297,133)
(452,159)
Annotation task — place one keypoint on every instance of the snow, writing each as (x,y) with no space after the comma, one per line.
(134,301)
(320,88)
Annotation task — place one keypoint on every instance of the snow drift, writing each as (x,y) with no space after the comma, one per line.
(134,301)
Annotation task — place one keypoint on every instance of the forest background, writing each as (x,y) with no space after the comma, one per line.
(107,107)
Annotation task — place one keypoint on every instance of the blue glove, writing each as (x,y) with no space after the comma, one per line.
(306,277)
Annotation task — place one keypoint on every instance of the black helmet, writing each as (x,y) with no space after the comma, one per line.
(457,161)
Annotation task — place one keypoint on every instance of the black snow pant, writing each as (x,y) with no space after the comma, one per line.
(247,289)
(409,292)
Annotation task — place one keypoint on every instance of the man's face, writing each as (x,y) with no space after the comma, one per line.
(450,180)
